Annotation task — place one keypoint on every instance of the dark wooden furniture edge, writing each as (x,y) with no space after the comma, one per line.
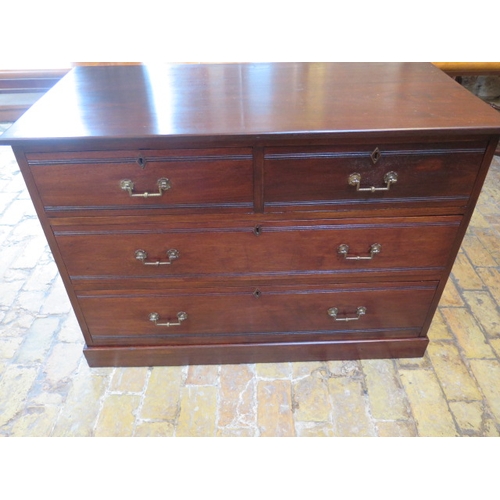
(469,68)
(19,90)
(459,69)
(251,353)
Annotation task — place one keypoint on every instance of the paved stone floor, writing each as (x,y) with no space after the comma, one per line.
(47,389)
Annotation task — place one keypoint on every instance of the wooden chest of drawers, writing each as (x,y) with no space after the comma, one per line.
(254,212)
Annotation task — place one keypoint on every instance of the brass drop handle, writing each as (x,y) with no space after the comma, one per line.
(360,311)
(128,185)
(142,255)
(374,250)
(155,317)
(389,178)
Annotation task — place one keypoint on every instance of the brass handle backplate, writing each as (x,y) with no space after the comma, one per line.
(389,178)
(374,250)
(360,311)
(142,255)
(128,185)
(155,317)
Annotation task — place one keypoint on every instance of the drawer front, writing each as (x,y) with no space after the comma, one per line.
(393,246)
(326,178)
(172,179)
(269,314)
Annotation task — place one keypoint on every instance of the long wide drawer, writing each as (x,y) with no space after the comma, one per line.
(149,179)
(265,314)
(372,176)
(395,246)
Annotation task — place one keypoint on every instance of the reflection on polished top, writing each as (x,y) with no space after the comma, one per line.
(251,99)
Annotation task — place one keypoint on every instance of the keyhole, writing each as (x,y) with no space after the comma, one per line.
(257,293)
(257,230)
(141,162)
(375,156)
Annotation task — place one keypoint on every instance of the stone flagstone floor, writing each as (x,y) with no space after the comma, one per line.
(47,388)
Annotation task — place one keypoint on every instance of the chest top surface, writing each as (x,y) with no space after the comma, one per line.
(253,99)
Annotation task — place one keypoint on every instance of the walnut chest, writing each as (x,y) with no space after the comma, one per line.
(248,213)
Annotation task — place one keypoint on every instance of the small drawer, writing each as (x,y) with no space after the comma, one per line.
(262,314)
(341,249)
(185,180)
(374,176)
